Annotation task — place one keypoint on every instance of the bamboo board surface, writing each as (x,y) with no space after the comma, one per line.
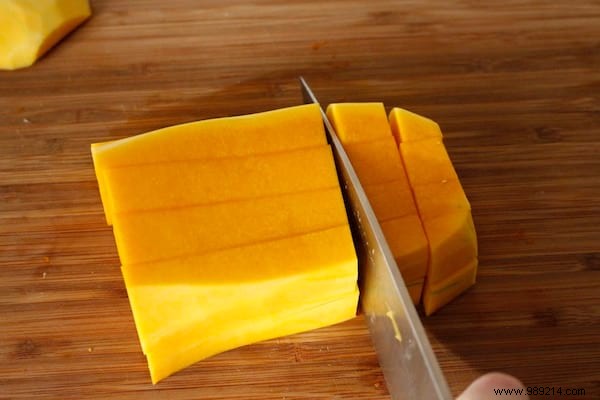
(515,86)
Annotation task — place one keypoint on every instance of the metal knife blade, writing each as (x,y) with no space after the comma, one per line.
(409,366)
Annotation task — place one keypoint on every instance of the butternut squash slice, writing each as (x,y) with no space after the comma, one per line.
(426,162)
(453,244)
(193,182)
(376,161)
(441,199)
(408,244)
(195,345)
(391,199)
(261,133)
(437,296)
(320,265)
(365,133)
(443,207)
(359,122)
(162,234)
(409,127)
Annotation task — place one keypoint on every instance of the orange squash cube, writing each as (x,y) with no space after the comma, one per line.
(409,127)
(391,199)
(427,161)
(359,122)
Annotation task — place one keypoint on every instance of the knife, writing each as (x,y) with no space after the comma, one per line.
(405,355)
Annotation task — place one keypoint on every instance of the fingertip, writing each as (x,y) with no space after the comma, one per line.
(483,388)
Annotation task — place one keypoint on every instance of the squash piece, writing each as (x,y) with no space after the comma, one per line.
(254,279)
(437,296)
(391,199)
(443,208)
(438,199)
(230,232)
(427,161)
(359,122)
(408,244)
(165,360)
(409,127)
(186,183)
(453,244)
(365,133)
(162,234)
(376,161)
(31,27)
(262,133)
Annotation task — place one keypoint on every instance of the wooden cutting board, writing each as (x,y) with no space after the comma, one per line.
(515,86)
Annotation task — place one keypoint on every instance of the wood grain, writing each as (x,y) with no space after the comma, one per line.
(513,84)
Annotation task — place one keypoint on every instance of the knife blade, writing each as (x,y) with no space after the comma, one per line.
(405,355)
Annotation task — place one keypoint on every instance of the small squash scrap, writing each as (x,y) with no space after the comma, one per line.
(229,231)
(31,27)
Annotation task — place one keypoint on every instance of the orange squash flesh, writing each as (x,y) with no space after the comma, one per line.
(318,265)
(376,161)
(236,333)
(443,208)
(435,297)
(251,240)
(365,134)
(408,244)
(453,244)
(426,162)
(390,199)
(274,131)
(441,199)
(410,127)
(192,182)
(29,28)
(163,234)
(230,231)
(359,122)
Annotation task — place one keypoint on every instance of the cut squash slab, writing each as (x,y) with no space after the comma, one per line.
(453,244)
(319,264)
(440,199)
(164,234)
(408,244)
(433,237)
(376,161)
(410,127)
(366,135)
(443,208)
(359,122)
(229,232)
(427,161)
(29,28)
(437,296)
(261,133)
(392,199)
(194,183)
(165,360)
